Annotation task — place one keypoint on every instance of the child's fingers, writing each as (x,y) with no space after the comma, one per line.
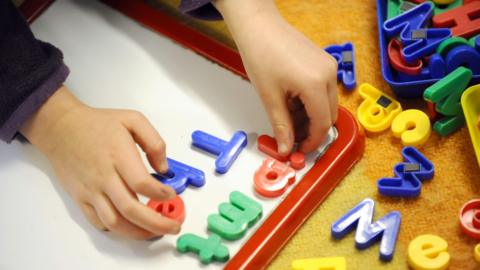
(116,223)
(295,104)
(301,132)
(131,169)
(318,112)
(301,123)
(276,106)
(139,214)
(92,216)
(148,138)
(333,98)
(332,87)
(299,117)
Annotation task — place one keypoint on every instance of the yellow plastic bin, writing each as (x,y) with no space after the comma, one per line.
(471,109)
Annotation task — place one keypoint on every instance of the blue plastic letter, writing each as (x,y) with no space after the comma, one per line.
(345,56)
(410,175)
(180,176)
(367,233)
(226,152)
(417,41)
(437,66)
(463,56)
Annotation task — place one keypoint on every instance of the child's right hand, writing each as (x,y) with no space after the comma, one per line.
(94,155)
(295,79)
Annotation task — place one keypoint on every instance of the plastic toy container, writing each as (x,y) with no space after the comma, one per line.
(471,109)
(402,87)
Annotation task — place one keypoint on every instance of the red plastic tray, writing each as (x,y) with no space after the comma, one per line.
(315,186)
(31,9)
(304,198)
(186,36)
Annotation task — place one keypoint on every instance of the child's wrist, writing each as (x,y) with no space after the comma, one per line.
(230,7)
(38,128)
(241,15)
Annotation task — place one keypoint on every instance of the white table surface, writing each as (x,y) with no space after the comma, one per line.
(117,63)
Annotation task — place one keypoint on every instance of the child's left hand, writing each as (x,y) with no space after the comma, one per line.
(296,80)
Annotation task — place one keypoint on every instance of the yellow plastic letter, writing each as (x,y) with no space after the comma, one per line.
(412,126)
(428,252)
(332,263)
(476,253)
(471,110)
(443,2)
(377,110)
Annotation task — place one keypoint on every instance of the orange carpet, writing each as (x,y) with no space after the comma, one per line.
(457,175)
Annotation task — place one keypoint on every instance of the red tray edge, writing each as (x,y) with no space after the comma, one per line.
(303,200)
(31,9)
(183,34)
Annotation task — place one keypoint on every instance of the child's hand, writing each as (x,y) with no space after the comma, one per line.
(94,154)
(296,80)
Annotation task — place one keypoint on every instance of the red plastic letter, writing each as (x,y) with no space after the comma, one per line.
(273,178)
(470,218)
(297,160)
(173,209)
(431,112)
(268,145)
(464,21)
(398,62)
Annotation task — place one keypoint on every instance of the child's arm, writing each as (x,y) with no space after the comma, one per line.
(295,79)
(30,71)
(93,151)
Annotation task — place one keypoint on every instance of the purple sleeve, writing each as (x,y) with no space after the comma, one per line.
(201,9)
(30,71)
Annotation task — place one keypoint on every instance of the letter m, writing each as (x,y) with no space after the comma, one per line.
(386,228)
